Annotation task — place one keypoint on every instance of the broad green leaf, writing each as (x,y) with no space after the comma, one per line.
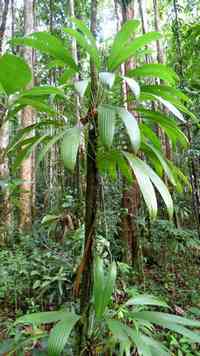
(130,49)
(122,38)
(106,124)
(110,282)
(60,333)
(163,162)
(30,144)
(155,70)
(103,286)
(157,348)
(176,135)
(171,322)
(50,218)
(89,47)
(56,63)
(40,106)
(171,108)
(149,135)
(15,74)
(161,187)
(144,183)
(22,133)
(181,179)
(47,147)
(67,75)
(132,128)
(108,161)
(99,284)
(133,85)
(49,44)
(117,329)
(107,78)
(43,91)
(69,147)
(167,92)
(167,123)
(84,29)
(145,299)
(42,318)
(81,87)
(124,334)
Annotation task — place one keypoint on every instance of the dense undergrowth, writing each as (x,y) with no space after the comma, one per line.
(37,274)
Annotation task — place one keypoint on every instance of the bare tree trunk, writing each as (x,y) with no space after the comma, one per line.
(160,59)
(160,55)
(5,211)
(78,104)
(131,195)
(3,21)
(52,154)
(27,118)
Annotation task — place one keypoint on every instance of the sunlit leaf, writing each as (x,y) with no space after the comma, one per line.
(155,70)
(133,85)
(69,147)
(132,128)
(81,87)
(107,78)
(146,299)
(144,183)
(47,43)
(106,124)
(15,74)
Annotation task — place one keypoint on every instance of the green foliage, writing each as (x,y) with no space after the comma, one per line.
(106,124)
(70,147)
(155,70)
(33,277)
(49,44)
(139,335)
(15,74)
(169,97)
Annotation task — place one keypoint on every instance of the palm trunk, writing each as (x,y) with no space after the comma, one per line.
(27,118)
(91,197)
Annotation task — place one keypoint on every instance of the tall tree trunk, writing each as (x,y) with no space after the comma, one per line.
(160,59)
(5,211)
(131,194)
(78,104)
(142,4)
(27,118)
(4,12)
(91,196)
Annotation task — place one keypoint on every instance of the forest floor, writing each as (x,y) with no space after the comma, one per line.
(35,277)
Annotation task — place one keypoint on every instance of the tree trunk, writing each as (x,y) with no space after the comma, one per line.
(5,211)
(160,59)
(75,54)
(91,198)
(27,118)
(4,12)
(131,195)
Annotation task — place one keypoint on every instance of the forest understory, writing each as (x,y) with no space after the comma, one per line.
(99,178)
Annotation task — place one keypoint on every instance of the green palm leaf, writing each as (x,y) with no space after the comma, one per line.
(106,124)
(69,147)
(132,128)
(60,334)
